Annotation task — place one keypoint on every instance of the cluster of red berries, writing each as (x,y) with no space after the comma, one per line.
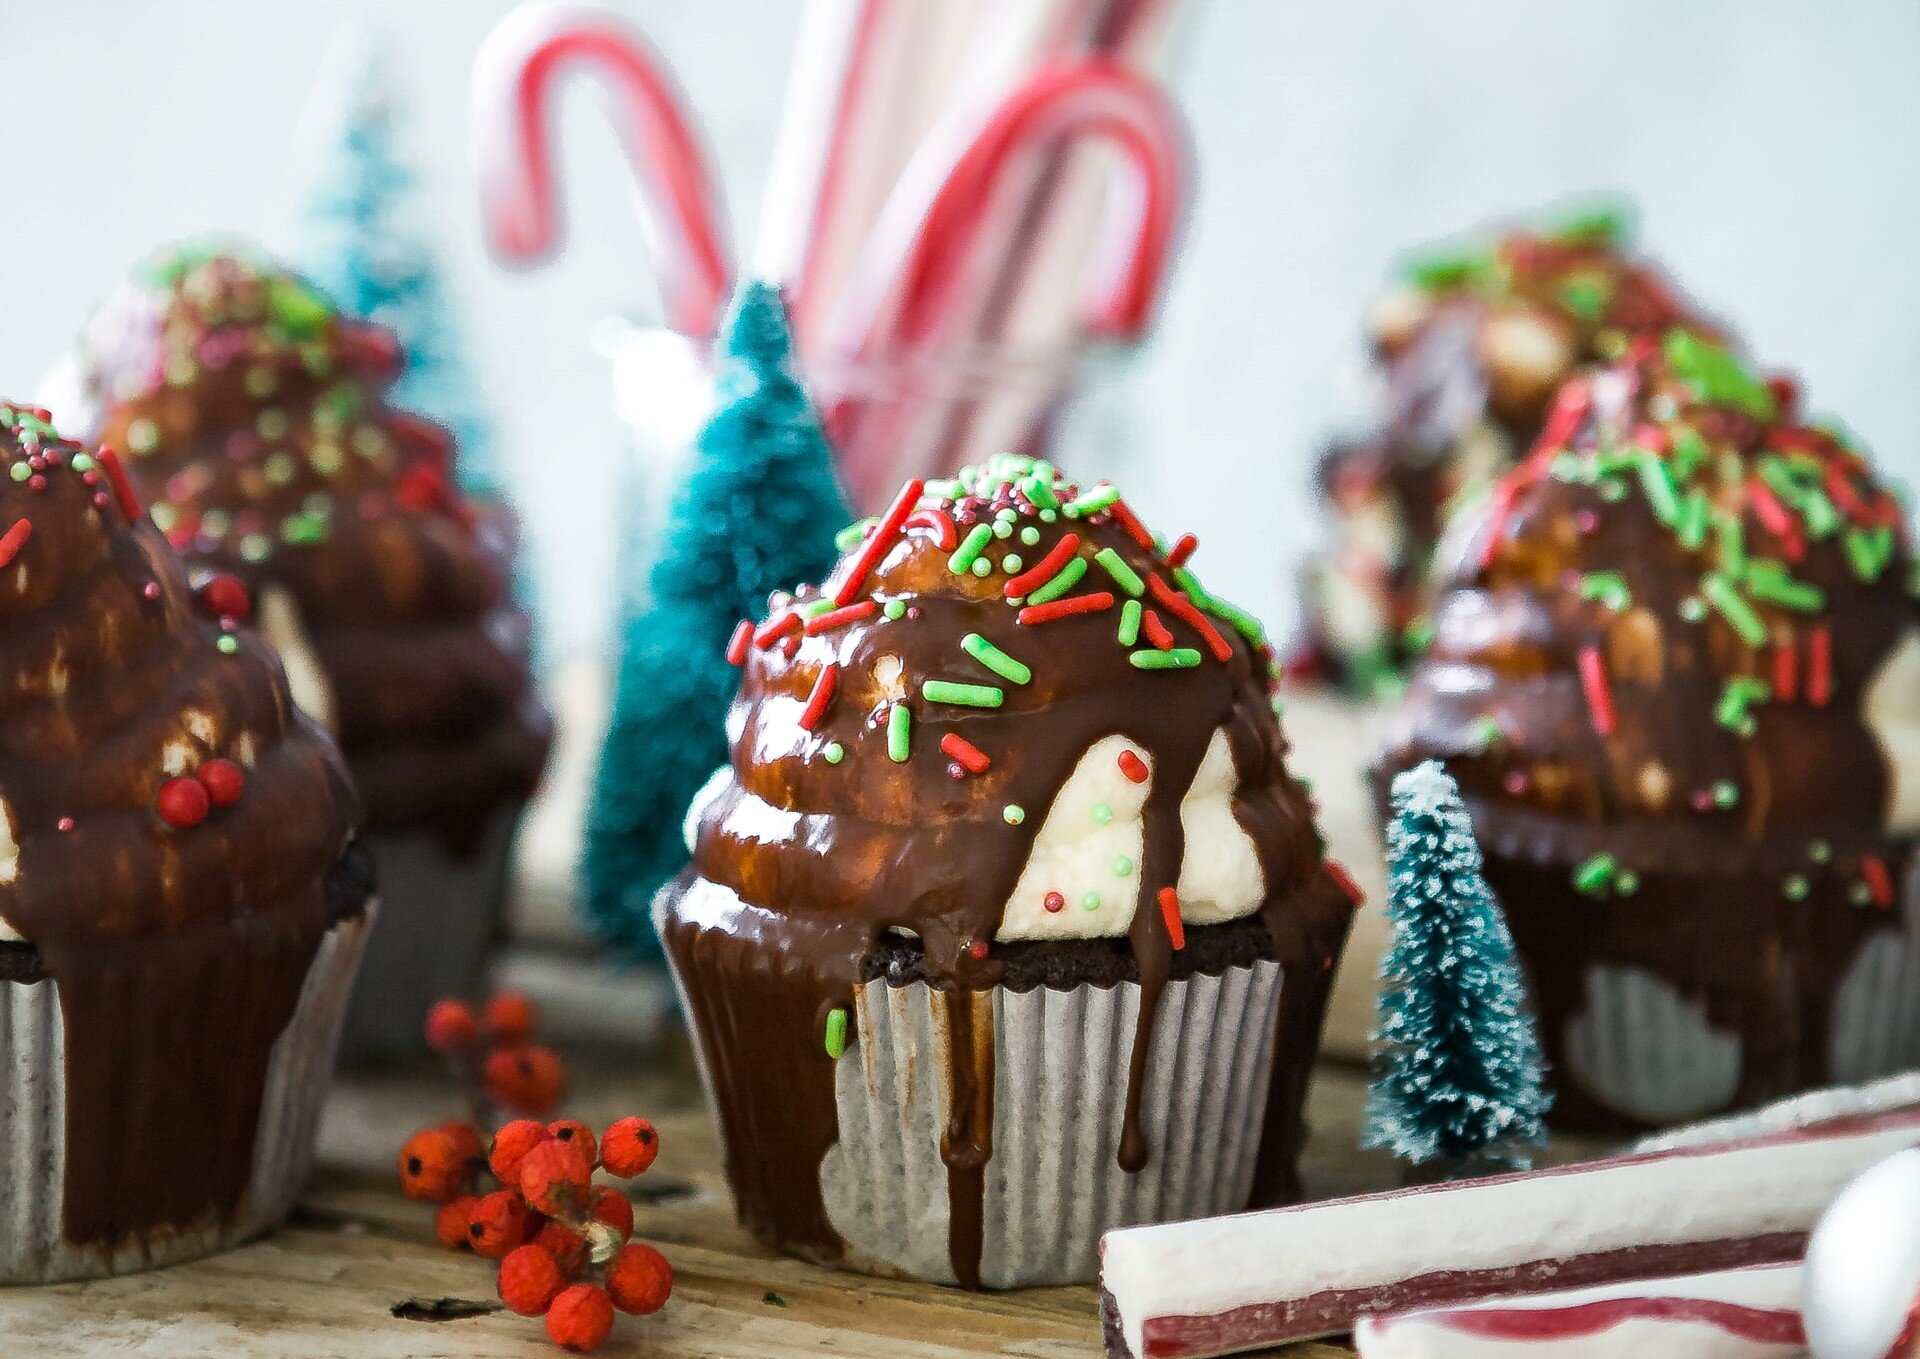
(564,1244)
(496,1048)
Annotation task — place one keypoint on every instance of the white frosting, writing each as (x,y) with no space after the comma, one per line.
(1217,1265)
(1081,848)
(280,624)
(1892,712)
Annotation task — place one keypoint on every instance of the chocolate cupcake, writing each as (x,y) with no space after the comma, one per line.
(1470,348)
(1677,675)
(1006,924)
(253,416)
(181,911)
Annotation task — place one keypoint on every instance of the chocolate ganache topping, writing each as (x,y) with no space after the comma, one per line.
(168,825)
(1010,715)
(1682,633)
(253,414)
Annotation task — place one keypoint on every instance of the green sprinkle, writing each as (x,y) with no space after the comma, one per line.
(982,567)
(1586,295)
(1602,225)
(1013,814)
(1768,580)
(1822,518)
(228,644)
(1130,622)
(1064,580)
(1609,587)
(1657,481)
(1692,609)
(1029,535)
(1725,793)
(836,1033)
(834,752)
(1102,813)
(1819,851)
(962,695)
(1095,500)
(1040,491)
(1003,528)
(20,471)
(1487,731)
(1049,516)
(1694,514)
(1011,563)
(1690,450)
(1868,551)
(1731,534)
(1795,886)
(1738,613)
(899,734)
(1592,877)
(1180,658)
(143,436)
(849,537)
(82,463)
(895,609)
(1125,576)
(1860,894)
(1741,693)
(996,660)
(1716,376)
(1243,622)
(1090,901)
(1446,273)
(970,549)
(1122,866)
(813,608)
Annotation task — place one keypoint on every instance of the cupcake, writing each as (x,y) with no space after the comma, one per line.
(1676,674)
(1470,348)
(1006,924)
(253,417)
(181,910)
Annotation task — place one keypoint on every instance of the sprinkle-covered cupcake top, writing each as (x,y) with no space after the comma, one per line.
(1010,713)
(1687,607)
(254,417)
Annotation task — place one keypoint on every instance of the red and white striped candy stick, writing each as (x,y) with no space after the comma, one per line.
(924,248)
(516,78)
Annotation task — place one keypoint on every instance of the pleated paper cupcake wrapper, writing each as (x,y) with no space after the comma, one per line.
(1060,1062)
(1642,1049)
(33,1245)
(442,915)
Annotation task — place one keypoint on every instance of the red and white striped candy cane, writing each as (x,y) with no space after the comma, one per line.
(516,78)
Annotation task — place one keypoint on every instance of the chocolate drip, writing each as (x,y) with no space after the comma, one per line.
(178,952)
(813,862)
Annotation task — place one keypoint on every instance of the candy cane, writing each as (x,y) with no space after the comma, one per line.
(516,79)
(913,269)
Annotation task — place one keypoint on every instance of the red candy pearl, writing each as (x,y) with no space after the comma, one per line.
(223,780)
(182,803)
(226,596)
(1055,902)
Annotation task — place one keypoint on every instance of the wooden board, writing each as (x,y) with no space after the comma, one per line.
(326,1286)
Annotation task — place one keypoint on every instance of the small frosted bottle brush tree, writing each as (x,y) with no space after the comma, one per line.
(757,512)
(1457,1086)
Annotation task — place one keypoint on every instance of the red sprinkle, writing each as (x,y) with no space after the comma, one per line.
(1133,766)
(835,618)
(1819,666)
(1156,631)
(769,632)
(1184,609)
(1344,880)
(1062,608)
(1879,881)
(13,540)
(1499,508)
(122,488)
(1786,672)
(1177,555)
(1045,569)
(1776,519)
(1593,678)
(1129,521)
(1170,915)
(965,753)
(878,541)
(821,696)
(737,644)
(944,532)
(1565,417)
(1055,903)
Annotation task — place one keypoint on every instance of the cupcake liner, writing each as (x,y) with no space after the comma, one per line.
(33,1141)
(442,915)
(1053,1184)
(1640,1047)
(1876,1013)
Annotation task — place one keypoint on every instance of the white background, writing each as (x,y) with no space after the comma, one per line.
(1774,148)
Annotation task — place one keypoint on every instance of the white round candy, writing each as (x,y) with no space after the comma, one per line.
(1862,1276)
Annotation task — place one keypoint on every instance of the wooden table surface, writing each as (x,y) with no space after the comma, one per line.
(336,1282)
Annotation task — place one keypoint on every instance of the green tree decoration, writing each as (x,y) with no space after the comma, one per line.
(1457,1067)
(757,512)
(362,239)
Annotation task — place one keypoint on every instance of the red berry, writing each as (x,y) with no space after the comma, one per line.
(574,1131)
(511,1017)
(554,1177)
(529,1280)
(610,1206)
(498,1223)
(223,780)
(580,1318)
(225,597)
(529,1080)
(512,1143)
(471,1148)
(451,1026)
(431,1166)
(629,1146)
(451,1222)
(182,803)
(567,1245)
(639,1278)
